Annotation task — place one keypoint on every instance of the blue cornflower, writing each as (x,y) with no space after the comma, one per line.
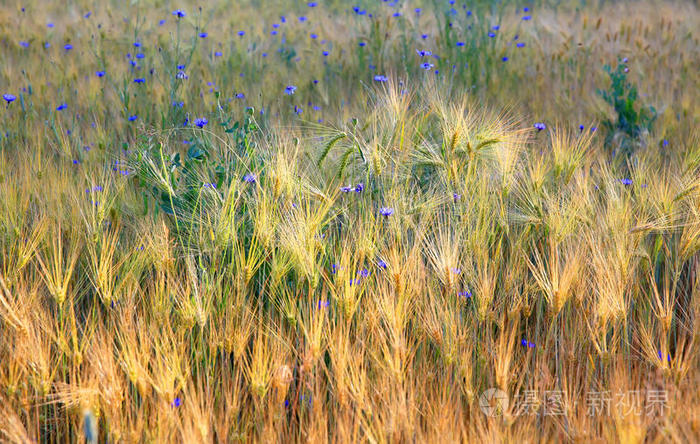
(67,46)
(241,33)
(100,73)
(9,98)
(132,118)
(456,196)
(50,25)
(218,54)
(381,264)
(181,75)
(526,343)
(456,270)
(290,89)
(359,187)
(386,211)
(177,402)
(626,181)
(520,45)
(346,189)
(527,17)
(505,59)
(137,44)
(424,53)
(380,78)
(249,178)
(460,43)
(492,35)
(312,4)
(363,273)
(465,294)
(139,80)
(179,13)
(302,19)
(24,44)
(201,122)
(539,126)
(427,66)
(362,44)
(61,107)
(203,35)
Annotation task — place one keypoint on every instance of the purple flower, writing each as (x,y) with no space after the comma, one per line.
(249,178)
(386,211)
(139,80)
(526,343)
(346,189)
(181,75)
(177,402)
(290,89)
(100,73)
(380,78)
(527,17)
(201,122)
(465,294)
(61,107)
(9,98)
(363,273)
(359,187)
(203,35)
(132,118)
(626,181)
(67,46)
(179,13)
(539,126)
(456,196)
(381,264)
(427,66)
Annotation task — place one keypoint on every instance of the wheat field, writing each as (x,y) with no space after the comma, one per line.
(369,221)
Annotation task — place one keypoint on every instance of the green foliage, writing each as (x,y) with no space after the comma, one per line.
(625,133)
(184,184)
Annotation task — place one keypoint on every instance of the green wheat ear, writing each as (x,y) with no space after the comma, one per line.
(327,149)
